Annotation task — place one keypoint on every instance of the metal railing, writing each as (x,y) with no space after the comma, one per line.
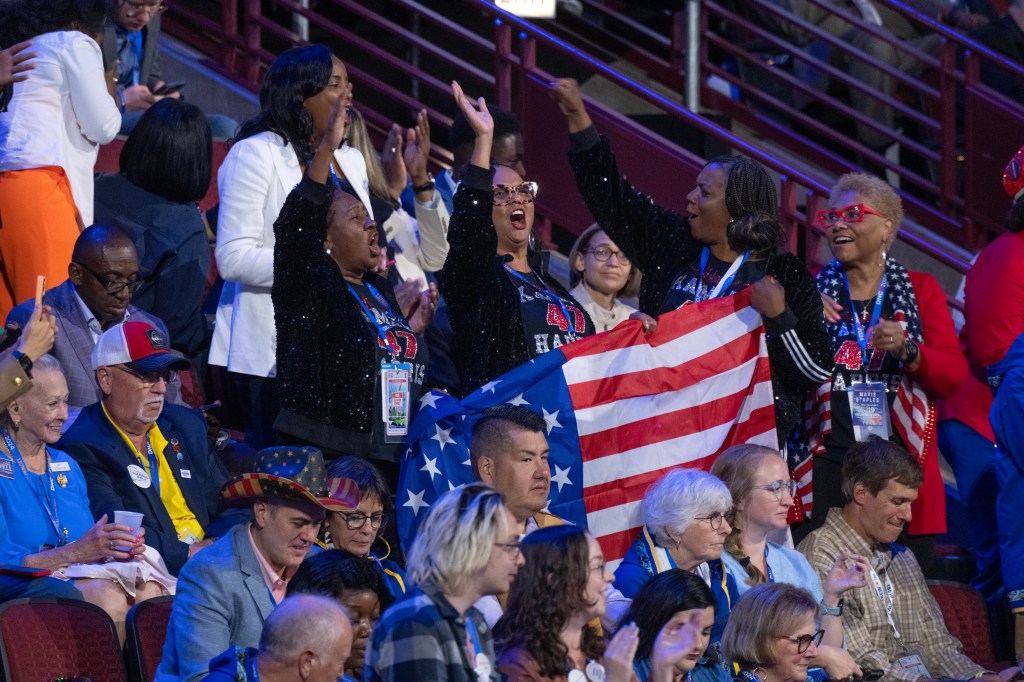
(426,50)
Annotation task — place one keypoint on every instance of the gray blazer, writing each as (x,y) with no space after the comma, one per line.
(221,601)
(149,70)
(74,344)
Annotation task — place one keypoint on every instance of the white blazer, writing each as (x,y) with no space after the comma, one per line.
(255,179)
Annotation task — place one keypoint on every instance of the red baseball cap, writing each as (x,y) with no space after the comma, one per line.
(139,345)
(1013,177)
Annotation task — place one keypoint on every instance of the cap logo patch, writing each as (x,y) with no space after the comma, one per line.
(156,339)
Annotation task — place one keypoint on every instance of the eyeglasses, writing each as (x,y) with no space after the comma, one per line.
(603,253)
(777,487)
(523,193)
(150,378)
(356,520)
(854,213)
(716,519)
(599,567)
(136,8)
(511,548)
(803,642)
(111,285)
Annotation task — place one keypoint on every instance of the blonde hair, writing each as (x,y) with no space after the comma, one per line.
(456,539)
(737,468)
(359,139)
(763,614)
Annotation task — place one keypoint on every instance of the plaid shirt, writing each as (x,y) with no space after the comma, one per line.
(869,637)
(422,638)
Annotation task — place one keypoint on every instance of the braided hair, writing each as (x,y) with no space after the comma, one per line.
(752,200)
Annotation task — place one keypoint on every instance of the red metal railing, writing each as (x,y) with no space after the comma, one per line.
(426,50)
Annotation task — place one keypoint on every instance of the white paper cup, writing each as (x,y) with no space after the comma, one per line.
(132,520)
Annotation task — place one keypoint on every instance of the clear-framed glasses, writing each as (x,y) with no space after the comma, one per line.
(778,487)
(717,518)
(803,642)
(137,8)
(523,193)
(603,253)
(511,548)
(150,378)
(854,213)
(356,520)
(111,285)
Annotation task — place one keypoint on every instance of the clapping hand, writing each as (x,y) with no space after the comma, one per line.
(677,638)
(391,159)
(425,310)
(417,149)
(618,656)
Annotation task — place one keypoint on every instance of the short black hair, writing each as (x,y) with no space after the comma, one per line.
(91,240)
(662,597)
(490,432)
(874,463)
(462,135)
(170,152)
(24,19)
(329,572)
(295,76)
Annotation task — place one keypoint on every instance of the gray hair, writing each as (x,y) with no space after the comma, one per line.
(304,622)
(672,503)
(457,537)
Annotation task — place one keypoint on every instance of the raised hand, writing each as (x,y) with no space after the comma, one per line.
(847,572)
(392,161)
(425,310)
(478,117)
(337,125)
(618,656)
(566,93)
(677,638)
(14,66)
(39,334)
(417,149)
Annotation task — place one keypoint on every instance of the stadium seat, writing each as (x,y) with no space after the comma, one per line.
(963,609)
(145,631)
(48,638)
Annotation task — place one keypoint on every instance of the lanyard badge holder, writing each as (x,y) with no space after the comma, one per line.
(722,288)
(869,405)
(395,377)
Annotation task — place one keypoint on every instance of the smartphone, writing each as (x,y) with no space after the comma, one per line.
(24,571)
(169,88)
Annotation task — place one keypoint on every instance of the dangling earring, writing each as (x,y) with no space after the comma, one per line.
(885,257)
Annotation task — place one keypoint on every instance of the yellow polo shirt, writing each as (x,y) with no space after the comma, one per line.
(185,523)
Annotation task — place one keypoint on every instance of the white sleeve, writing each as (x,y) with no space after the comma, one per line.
(97,115)
(244,183)
(432,221)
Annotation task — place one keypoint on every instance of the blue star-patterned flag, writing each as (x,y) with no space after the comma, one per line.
(621,408)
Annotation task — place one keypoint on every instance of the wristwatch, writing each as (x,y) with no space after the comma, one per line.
(836,610)
(912,350)
(23,360)
(428,185)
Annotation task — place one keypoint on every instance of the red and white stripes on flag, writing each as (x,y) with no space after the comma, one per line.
(675,398)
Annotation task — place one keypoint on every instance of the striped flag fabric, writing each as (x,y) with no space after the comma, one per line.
(621,409)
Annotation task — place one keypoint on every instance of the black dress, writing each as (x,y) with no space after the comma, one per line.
(329,350)
(659,242)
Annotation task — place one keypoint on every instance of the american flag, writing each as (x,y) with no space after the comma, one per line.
(622,408)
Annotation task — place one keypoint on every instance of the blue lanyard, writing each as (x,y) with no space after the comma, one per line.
(154,466)
(751,677)
(382,331)
(876,313)
(47,501)
(471,629)
(725,283)
(552,296)
(768,567)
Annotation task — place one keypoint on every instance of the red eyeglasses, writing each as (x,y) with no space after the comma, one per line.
(854,213)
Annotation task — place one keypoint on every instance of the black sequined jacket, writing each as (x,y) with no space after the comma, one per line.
(326,353)
(483,303)
(659,242)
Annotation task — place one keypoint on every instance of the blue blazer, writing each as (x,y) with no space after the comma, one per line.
(104,457)
(221,601)
(73,345)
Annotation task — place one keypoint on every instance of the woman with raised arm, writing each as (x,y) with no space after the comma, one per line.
(504,307)
(729,239)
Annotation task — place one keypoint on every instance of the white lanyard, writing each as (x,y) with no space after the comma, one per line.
(886,594)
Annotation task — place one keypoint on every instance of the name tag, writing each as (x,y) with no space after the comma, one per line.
(6,468)
(912,663)
(395,401)
(60,466)
(139,476)
(186,473)
(869,408)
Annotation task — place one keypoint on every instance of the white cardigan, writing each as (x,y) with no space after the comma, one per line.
(61,114)
(255,179)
